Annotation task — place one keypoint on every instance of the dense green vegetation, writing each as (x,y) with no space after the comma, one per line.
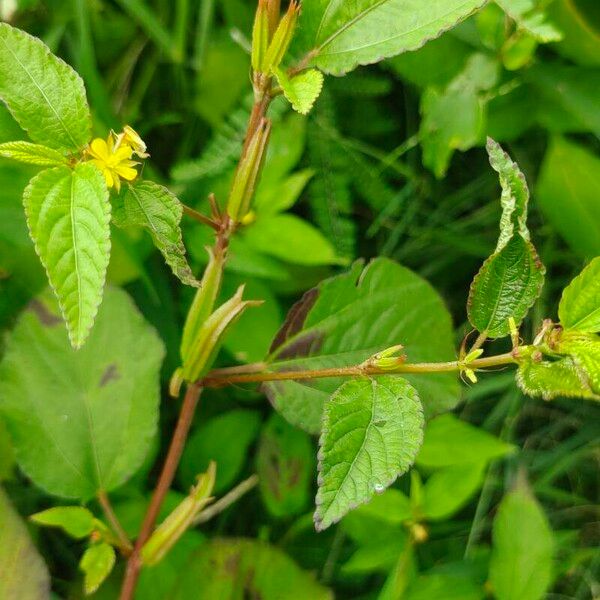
(408,430)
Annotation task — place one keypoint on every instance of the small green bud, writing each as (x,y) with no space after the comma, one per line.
(210,334)
(260,35)
(247,174)
(387,360)
(174,526)
(204,301)
(281,38)
(474,354)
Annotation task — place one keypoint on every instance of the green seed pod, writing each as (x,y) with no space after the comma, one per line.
(281,38)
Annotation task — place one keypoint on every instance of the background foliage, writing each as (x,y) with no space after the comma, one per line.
(389,163)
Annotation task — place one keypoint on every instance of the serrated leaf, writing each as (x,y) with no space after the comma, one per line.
(68,214)
(76,521)
(523,547)
(301,90)
(550,380)
(584,349)
(347,319)
(229,568)
(152,206)
(579,306)
(515,194)
(372,431)
(510,280)
(450,442)
(44,94)
(343,35)
(96,563)
(81,421)
(507,285)
(23,574)
(34,154)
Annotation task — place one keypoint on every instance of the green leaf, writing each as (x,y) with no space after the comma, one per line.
(584,348)
(97,562)
(454,118)
(510,280)
(44,94)
(68,214)
(23,574)
(449,489)
(225,439)
(567,191)
(280,195)
(507,285)
(238,568)
(579,306)
(152,206)
(372,431)
(347,319)
(549,380)
(77,521)
(81,421)
(284,465)
(523,546)
(7,455)
(450,442)
(291,239)
(343,35)
(446,585)
(34,154)
(301,90)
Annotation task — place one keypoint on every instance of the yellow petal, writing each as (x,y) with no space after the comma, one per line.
(123,152)
(117,183)
(126,173)
(99,149)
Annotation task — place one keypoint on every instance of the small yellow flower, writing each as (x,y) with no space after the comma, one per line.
(113,158)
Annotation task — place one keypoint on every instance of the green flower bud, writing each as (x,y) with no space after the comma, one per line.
(210,334)
(175,525)
(204,301)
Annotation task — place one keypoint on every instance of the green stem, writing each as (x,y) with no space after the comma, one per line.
(220,379)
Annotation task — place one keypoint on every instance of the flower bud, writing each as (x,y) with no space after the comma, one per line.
(281,38)
(246,177)
(204,300)
(175,525)
(260,35)
(210,334)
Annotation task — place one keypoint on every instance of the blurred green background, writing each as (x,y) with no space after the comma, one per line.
(390,162)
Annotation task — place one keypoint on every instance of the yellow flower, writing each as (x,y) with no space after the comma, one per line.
(113,158)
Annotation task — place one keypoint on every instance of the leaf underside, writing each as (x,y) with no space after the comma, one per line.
(372,431)
(154,207)
(343,35)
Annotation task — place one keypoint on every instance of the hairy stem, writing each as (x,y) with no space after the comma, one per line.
(167,474)
(220,379)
